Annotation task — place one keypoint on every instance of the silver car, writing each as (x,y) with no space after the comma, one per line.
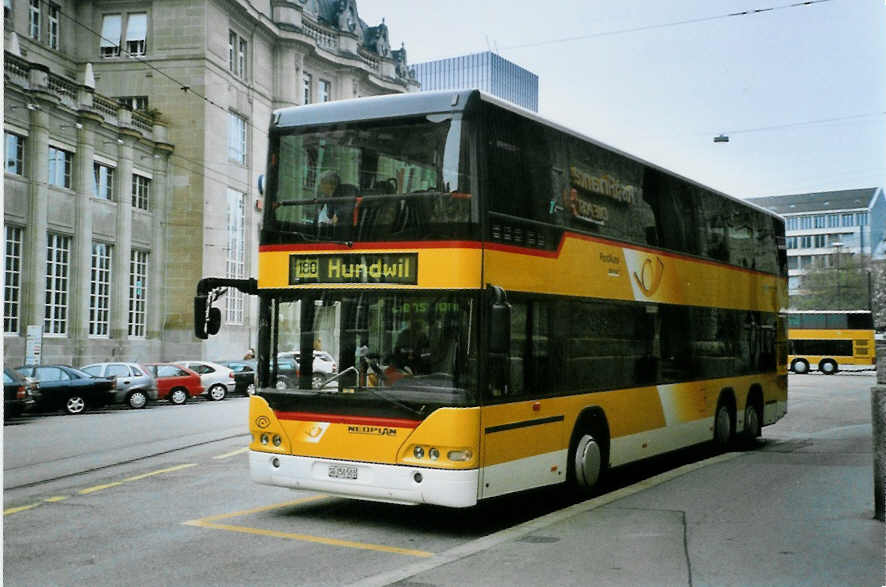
(217,380)
(135,385)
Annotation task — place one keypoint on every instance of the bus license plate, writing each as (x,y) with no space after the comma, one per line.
(342,472)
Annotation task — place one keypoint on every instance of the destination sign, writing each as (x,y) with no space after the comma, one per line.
(400,268)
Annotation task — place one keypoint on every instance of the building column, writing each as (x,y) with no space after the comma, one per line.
(159,262)
(123,246)
(81,258)
(33,292)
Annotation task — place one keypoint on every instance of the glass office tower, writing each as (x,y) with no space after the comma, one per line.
(485,71)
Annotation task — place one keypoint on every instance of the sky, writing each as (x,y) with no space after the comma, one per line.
(799,89)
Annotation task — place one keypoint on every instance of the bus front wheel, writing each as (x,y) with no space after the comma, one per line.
(828,367)
(800,367)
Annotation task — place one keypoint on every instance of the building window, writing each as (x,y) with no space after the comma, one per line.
(861,219)
(793,223)
(237,53)
(53,15)
(100,291)
(325,90)
(111,32)
(847,219)
(805,222)
(792,263)
(819,221)
(141,192)
(58,253)
(235,262)
(791,242)
(12,289)
(136,33)
(134,102)
(34,20)
(15,154)
(60,164)
(820,240)
(7,9)
(103,181)
(306,80)
(833,220)
(806,242)
(138,292)
(236,138)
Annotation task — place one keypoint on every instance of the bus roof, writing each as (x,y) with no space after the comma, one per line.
(444,102)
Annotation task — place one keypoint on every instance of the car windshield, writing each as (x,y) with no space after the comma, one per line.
(408,179)
(409,346)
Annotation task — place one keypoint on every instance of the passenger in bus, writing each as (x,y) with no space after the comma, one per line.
(328,184)
(413,348)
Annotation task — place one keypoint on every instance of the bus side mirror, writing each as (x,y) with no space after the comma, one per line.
(205,325)
(499,322)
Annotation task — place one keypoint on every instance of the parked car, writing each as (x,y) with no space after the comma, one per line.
(18,393)
(217,379)
(64,387)
(323,367)
(287,372)
(135,386)
(174,382)
(244,374)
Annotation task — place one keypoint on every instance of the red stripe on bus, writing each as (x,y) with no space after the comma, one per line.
(341,419)
(373,246)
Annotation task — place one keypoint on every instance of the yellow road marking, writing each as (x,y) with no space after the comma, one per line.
(232,453)
(89,490)
(160,471)
(19,509)
(308,538)
(55,499)
(209,522)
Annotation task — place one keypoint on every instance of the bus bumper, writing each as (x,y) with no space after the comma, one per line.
(389,483)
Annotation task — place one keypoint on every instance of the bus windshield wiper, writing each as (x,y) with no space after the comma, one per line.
(373,391)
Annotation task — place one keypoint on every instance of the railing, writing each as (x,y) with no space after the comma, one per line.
(143,122)
(106,107)
(369,60)
(16,69)
(66,90)
(324,39)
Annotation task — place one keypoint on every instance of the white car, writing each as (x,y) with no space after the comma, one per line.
(217,380)
(324,365)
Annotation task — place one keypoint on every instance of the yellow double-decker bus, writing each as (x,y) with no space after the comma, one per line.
(509,304)
(825,339)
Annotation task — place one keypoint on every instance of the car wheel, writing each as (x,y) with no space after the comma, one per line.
(137,400)
(281,384)
(75,404)
(178,396)
(217,392)
(250,389)
(317,380)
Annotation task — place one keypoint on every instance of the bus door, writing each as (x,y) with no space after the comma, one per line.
(522,431)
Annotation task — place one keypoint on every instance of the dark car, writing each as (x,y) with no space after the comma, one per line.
(244,374)
(18,393)
(64,387)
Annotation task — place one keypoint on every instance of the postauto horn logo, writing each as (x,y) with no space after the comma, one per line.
(648,278)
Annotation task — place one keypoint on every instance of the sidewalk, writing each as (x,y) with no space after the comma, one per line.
(792,512)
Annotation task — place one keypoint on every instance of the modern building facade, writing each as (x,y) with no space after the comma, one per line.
(134,139)
(820,227)
(485,71)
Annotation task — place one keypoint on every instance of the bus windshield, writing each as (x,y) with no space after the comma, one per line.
(407,179)
(409,347)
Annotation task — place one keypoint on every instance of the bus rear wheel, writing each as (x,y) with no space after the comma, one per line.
(828,367)
(724,429)
(800,367)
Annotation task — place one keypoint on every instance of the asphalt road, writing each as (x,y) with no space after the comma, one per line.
(163,496)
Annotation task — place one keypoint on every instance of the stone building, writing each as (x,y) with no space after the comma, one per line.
(135,136)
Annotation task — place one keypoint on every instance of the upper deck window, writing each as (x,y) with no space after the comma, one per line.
(401,180)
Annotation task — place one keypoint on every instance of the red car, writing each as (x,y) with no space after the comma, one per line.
(174,382)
